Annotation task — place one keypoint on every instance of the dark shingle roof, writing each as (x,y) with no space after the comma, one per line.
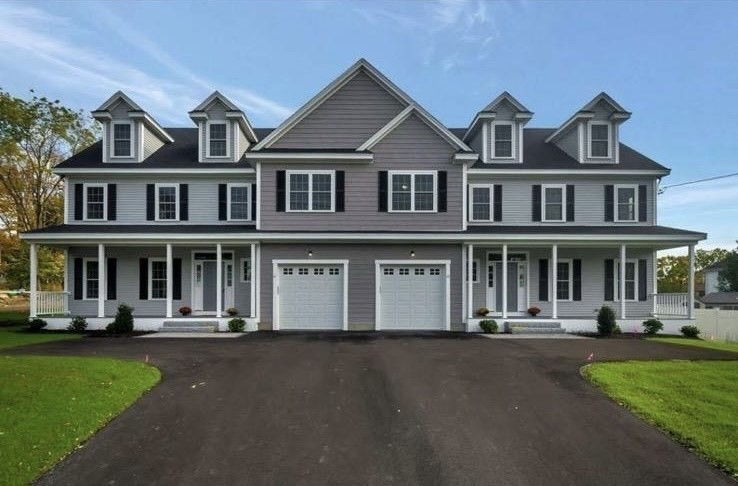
(720,298)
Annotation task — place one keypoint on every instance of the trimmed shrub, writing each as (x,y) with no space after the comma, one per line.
(36,324)
(606,321)
(123,322)
(690,331)
(232,311)
(78,324)
(489,326)
(652,326)
(236,325)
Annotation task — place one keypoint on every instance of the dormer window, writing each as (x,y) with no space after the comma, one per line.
(122,139)
(599,140)
(217,139)
(502,148)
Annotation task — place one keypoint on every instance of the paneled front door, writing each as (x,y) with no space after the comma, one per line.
(517,282)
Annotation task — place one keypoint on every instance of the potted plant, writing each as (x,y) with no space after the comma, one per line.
(232,311)
(534,311)
(185,311)
(482,311)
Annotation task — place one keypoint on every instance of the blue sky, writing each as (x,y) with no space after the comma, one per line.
(674,65)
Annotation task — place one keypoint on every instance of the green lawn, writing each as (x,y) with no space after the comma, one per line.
(719,345)
(13,317)
(694,401)
(18,336)
(49,406)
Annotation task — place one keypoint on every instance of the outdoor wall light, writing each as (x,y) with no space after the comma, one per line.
(310,253)
(412,253)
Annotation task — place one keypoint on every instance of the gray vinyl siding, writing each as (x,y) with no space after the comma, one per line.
(593,281)
(411,146)
(152,143)
(361,271)
(243,142)
(346,119)
(128,280)
(131,191)
(589,195)
(569,142)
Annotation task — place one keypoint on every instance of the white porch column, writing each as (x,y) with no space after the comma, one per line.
(219,281)
(34,281)
(655,290)
(554,281)
(101,287)
(690,285)
(256,274)
(65,297)
(170,280)
(251,280)
(470,281)
(621,283)
(504,281)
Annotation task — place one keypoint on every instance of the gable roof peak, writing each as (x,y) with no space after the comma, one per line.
(232,112)
(505,96)
(602,96)
(117,96)
(216,95)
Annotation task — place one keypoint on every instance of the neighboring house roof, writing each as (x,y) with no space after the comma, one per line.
(724,298)
(715,266)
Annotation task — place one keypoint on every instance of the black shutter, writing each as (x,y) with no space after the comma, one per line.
(150,202)
(78,202)
(609,203)
(78,276)
(609,280)
(143,278)
(177,279)
(577,284)
(642,280)
(340,190)
(112,202)
(184,202)
(442,191)
(498,202)
(112,278)
(642,203)
(536,202)
(570,202)
(281,190)
(543,279)
(222,202)
(253,202)
(383,191)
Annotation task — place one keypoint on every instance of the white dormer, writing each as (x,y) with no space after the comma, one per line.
(224,132)
(591,134)
(497,131)
(129,134)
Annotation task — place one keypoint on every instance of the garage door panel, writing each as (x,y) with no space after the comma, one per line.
(412,296)
(311,296)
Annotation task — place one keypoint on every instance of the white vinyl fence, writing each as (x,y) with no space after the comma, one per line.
(717,324)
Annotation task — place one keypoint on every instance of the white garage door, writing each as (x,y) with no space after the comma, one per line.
(412,297)
(310,296)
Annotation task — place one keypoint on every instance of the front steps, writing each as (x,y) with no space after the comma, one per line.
(534,327)
(190,325)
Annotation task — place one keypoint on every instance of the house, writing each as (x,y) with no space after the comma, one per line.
(720,300)
(711,275)
(361,211)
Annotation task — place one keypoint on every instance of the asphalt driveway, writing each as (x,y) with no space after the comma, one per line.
(372,409)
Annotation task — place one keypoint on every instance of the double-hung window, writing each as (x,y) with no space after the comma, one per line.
(631,279)
(311,191)
(91,282)
(481,202)
(239,202)
(122,139)
(167,202)
(217,139)
(412,191)
(502,147)
(158,276)
(554,203)
(599,140)
(245,270)
(626,203)
(564,280)
(95,202)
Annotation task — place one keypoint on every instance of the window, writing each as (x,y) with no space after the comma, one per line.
(554,202)
(95,202)
(167,196)
(564,280)
(599,140)
(158,278)
(626,203)
(435,271)
(245,270)
(413,191)
(286,271)
(122,139)
(311,191)
(91,283)
(503,141)
(631,279)
(334,271)
(481,202)
(217,140)
(419,271)
(389,271)
(475,271)
(404,271)
(239,202)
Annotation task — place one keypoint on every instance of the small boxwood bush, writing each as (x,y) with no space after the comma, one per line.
(236,325)
(36,324)
(123,322)
(606,321)
(78,324)
(652,326)
(690,331)
(489,326)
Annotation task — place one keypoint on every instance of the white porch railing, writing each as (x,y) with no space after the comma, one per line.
(671,304)
(51,303)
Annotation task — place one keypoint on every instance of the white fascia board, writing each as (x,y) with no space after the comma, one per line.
(137,171)
(153,126)
(115,97)
(474,125)
(309,156)
(597,172)
(243,122)
(574,118)
(387,129)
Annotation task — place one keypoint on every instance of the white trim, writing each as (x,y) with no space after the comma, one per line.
(151,277)
(84,278)
(310,156)
(491,188)
(102,290)
(252,280)
(477,262)
(521,142)
(412,174)
(488,260)
(310,174)
(114,98)
(377,293)
(565,126)
(170,279)
(150,171)
(597,172)
(580,143)
(493,137)
(387,129)
(249,188)
(156,201)
(570,263)
(464,198)
(242,276)
(193,275)
(258,195)
(616,205)
(140,144)
(275,285)
(200,135)
(485,142)
(84,201)
(131,152)
(590,124)
(470,285)
(616,279)
(228,136)
(562,187)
